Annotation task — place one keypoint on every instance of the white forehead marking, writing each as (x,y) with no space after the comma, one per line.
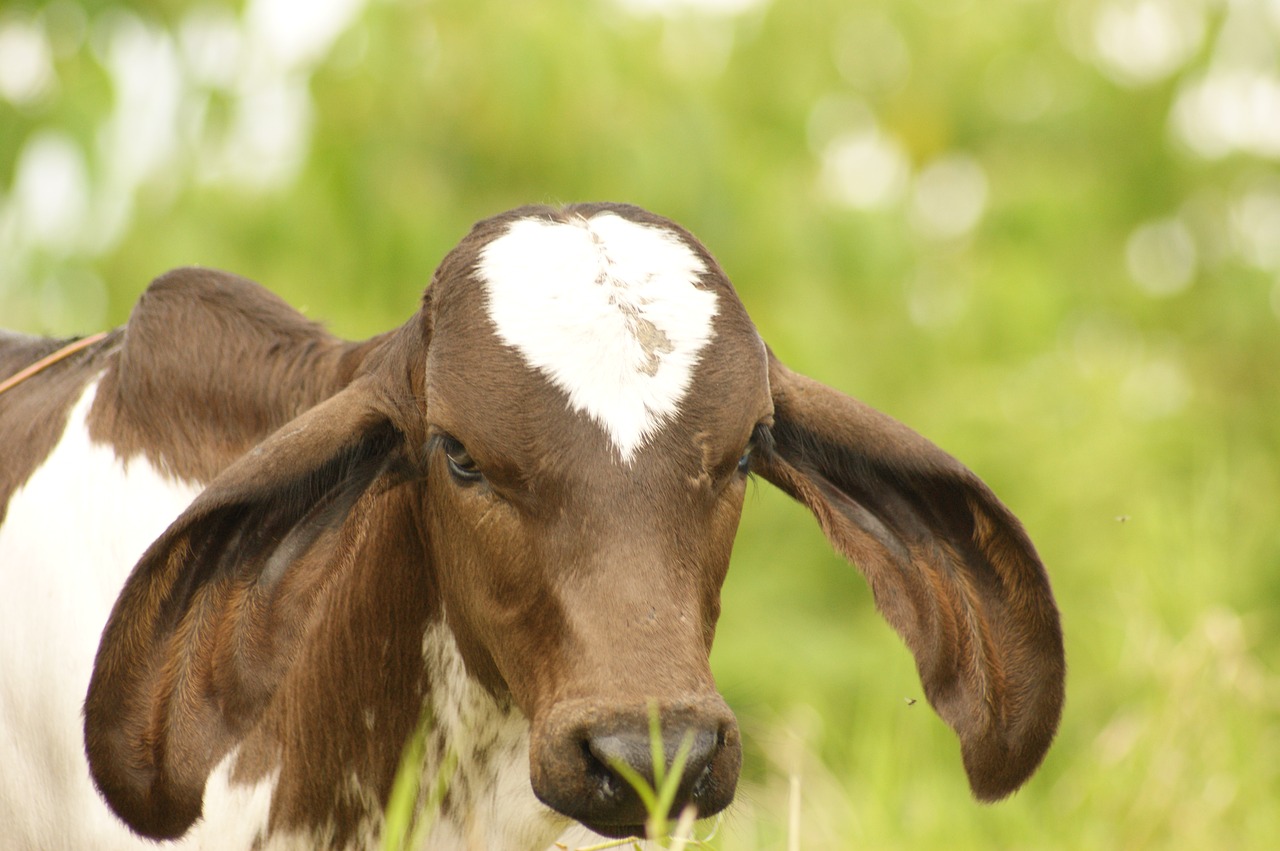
(606,308)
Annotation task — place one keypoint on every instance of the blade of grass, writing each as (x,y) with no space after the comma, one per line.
(658,817)
(406,823)
(657,798)
(682,835)
(404,790)
(648,797)
(793,814)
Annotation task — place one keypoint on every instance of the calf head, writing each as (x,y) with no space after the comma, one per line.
(561,438)
(590,484)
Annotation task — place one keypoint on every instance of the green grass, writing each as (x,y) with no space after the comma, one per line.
(659,796)
(1137,437)
(412,810)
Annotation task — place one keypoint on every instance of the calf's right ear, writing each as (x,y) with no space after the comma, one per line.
(950,567)
(208,620)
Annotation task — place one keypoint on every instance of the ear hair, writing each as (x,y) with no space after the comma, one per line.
(951,569)
(207,623)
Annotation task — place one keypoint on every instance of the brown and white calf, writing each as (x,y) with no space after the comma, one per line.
(254,555)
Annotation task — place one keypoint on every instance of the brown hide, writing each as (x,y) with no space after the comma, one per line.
(950,567)
(361,494)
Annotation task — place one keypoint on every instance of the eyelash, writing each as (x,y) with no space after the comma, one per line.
(461,465)
(463,468)
(761,438)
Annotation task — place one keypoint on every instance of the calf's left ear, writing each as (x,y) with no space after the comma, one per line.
(209,619)
(950,568)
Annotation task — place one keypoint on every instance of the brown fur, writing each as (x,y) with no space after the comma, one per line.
(211,364)
(332,535)
(975,608)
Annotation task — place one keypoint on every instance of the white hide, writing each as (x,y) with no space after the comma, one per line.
(492,804)
(70,537)
(609,310)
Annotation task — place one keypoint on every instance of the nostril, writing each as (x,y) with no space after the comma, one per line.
(613,757)
(607,785)
(702,750)
(611,750)
(699,789)
(594,765)
(701,759)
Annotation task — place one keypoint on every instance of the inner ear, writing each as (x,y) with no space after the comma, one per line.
(208,621)
(951,569)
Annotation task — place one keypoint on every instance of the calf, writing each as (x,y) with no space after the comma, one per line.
(265,554)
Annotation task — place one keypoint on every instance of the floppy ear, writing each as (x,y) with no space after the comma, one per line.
(207,622)
(950,568)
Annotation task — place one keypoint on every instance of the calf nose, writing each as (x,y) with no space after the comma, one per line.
(585,759)
(622,755)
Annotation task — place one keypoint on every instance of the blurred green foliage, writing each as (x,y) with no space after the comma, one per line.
(1046,235)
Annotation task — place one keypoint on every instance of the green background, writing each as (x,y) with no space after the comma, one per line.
(1044,234)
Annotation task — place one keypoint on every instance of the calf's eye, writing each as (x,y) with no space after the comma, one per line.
(760,436)
(461,465)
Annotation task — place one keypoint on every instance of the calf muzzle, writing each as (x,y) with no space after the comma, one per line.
(586,755)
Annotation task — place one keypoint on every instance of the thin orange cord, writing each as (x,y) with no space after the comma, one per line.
(48,361)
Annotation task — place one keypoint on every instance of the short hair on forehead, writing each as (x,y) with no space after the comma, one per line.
(611,311)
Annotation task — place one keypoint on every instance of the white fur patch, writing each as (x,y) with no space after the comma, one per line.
(235,814)
(70,537)
(491,800)
(606,308)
